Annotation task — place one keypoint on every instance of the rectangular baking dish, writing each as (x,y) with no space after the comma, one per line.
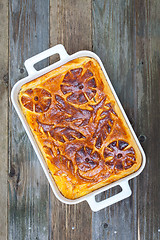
(32,74)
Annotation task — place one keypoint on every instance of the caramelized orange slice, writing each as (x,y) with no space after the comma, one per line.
(89,162)
(119,155)
(80,87)
(36,100)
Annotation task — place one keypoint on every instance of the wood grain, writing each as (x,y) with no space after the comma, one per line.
(148,115)
(126,37)
(70,24)
(3,116)
(28,188)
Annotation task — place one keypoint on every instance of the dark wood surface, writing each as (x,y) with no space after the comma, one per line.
(125,34)
(4,62)
(28,189)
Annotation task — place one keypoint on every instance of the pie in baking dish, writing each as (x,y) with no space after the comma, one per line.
(79,127)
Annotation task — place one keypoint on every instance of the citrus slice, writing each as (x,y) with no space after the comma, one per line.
(88,162)
(36,100)
(81,88)
(119,155)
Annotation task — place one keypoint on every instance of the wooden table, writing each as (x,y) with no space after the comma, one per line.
(126,36)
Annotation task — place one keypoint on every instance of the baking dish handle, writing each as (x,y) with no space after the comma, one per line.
(29,63)
(96,206)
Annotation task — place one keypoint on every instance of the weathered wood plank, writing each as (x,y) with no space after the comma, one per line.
(70,24)
(114,42)
(148,114)
(126,37)
(28,186)
(3,116)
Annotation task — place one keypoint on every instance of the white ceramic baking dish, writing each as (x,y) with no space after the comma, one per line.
(32,74)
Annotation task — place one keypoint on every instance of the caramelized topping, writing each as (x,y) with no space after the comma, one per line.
(105,123)
(78,127)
